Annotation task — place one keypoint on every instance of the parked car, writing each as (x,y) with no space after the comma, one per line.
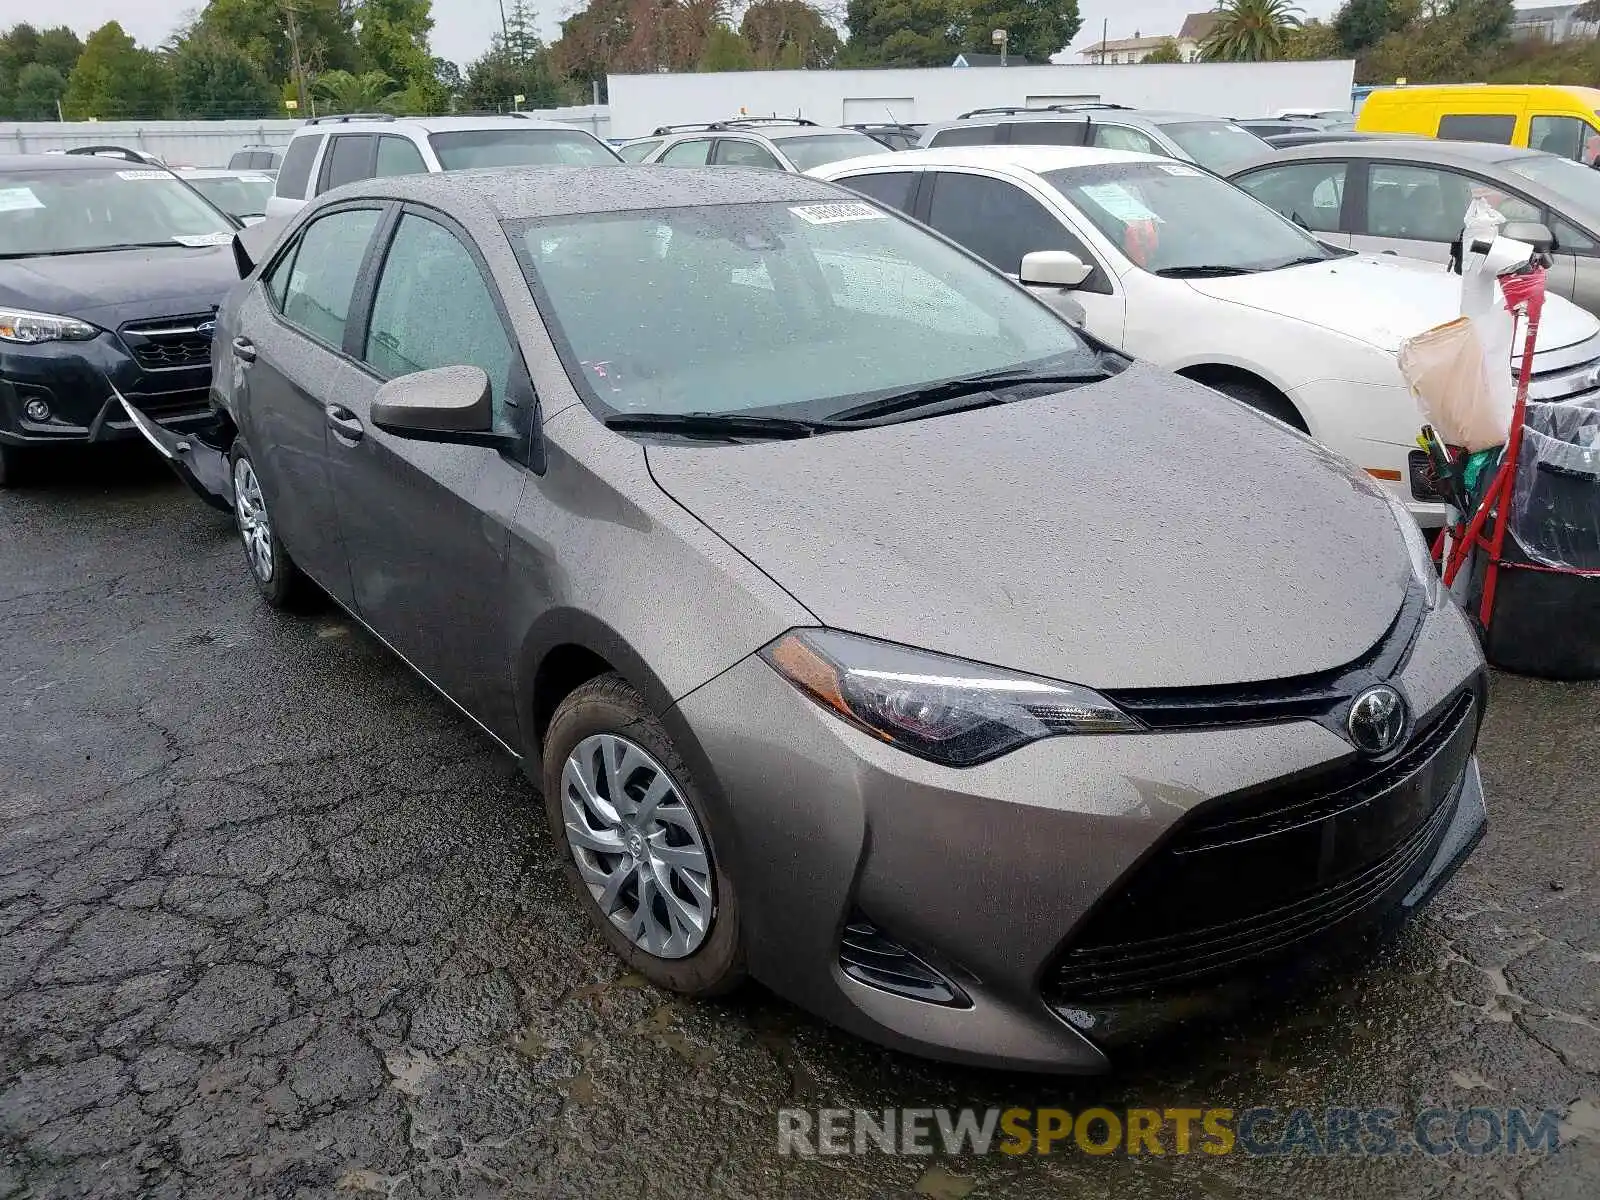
(326,152)
(1214,143)
(263,159)
(1181,268)
(1410,197)
(1558,119)
(894,136)
(243,195)
(1285,141)
(1267,128)
(110,277)
(636,150)
(774,143)
(832,588)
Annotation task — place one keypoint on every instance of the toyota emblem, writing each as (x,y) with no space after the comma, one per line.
(1377,720)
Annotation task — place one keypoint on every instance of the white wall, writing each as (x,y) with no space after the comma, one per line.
(641,102)
(204,143)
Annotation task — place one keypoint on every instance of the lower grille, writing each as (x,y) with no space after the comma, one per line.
(1250,877)
(870,956)
(188,402)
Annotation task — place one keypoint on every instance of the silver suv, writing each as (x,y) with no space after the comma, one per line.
(329,151)
(1215,143)
(790,144)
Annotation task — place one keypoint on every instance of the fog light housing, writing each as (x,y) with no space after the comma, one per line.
(37,410)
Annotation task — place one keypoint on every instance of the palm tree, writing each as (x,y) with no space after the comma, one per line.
(342,92)
(1250,30)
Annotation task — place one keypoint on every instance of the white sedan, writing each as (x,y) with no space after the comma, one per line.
(1182,269)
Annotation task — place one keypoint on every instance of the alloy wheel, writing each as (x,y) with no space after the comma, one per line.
(255,524)
(638,845)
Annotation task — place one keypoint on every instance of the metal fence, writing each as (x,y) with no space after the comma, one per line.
(209,143)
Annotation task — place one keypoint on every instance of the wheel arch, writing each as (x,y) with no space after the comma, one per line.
(1216,374)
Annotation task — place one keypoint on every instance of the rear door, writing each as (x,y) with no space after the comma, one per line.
(1417,210)
(425,525)
(289,363)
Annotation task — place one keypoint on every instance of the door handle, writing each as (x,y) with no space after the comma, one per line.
(344,423)
(244,349)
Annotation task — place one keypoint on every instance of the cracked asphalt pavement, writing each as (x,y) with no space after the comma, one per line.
(275,920)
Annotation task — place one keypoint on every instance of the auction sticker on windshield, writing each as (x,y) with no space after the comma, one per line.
(1120,203)
(144,174)
(837,213)
(18,198)
(1178,169)
(203,239)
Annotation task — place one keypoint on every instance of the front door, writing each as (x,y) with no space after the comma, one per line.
(425,525)
(287,358)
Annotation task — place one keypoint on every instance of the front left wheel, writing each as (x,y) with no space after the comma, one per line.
(635,841)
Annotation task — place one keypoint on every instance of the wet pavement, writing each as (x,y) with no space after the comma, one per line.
(275,920)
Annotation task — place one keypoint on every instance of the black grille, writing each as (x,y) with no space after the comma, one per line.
(870,956)
(170,341)
(1250,876)
(189,401)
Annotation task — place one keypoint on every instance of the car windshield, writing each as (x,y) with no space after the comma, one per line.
(239,196)
(73,212)
(466,149)
(820,149)
(1571,180)
(1217,145)
(1172,218)
(791,309)
(637,152)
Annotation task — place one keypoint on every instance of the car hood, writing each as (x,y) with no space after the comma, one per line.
(1379,299)
(121,285)
(1141,532)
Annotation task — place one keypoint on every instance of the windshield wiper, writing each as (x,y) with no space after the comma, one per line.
(1203,271)
(92,250)
(959,395)
(1303,261)
(715,425)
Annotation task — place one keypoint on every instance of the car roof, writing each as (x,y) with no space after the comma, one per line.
(430,124)
(1135,116)
(518,193)
(1427,150)
(1037,159)
(68,162)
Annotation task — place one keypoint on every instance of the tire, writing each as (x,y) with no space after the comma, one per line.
(13,464)
(606,721)
(281,583)
(1261,398)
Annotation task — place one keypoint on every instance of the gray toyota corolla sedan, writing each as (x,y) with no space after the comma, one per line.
(869,630)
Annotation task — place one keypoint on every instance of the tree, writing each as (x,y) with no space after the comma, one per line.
(1481,23)
(494,81)
(116,80)
(58,48)
(1166,52)
(1250,31)
(39,89)
(789,33)
(1362,24)
(1035,29)
(342,92)
(215,80)
(278,35)
(522,39)
(1588,11)
(903,33)
(1311,41)
(725,51)
(636,35)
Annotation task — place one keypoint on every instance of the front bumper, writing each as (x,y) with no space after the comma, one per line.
(75,380)
(989,877)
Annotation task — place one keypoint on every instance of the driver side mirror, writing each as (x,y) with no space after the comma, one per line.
(448,405)
(1053,268)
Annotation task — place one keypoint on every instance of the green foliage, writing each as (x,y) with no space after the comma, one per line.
(1166,52)
(493,81)
(903,33)
(1452,40)
(115,80)
(1313,40)
(788,35)
(39,87)
(342,92)
(1251,31)
(216,80)
(1362,24)
(1036,29)
(725,51)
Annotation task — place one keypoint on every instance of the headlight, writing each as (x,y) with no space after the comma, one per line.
(30,328)
(946,710)
(1417,547)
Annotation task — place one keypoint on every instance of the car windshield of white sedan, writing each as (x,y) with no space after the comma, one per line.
(819,149)
(1219,146)
(466,149)
(78,212)
(1174,219)
(793,309)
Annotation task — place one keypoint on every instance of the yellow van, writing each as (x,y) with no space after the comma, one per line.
(1554,118)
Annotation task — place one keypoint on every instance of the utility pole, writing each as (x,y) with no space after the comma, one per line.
(1105,32)
(292,27)
(505,30)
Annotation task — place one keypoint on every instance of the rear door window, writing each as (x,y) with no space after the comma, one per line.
(966,135)
(732,152)
(1462,127)
(692,153)
(322,273)
(295,173)
(1120,137)
(349,158)
(1048,133)
(397,156)
(893,189)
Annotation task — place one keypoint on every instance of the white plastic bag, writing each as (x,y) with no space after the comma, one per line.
(1483,304)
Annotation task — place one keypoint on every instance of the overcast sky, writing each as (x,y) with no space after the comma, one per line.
(462,27)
